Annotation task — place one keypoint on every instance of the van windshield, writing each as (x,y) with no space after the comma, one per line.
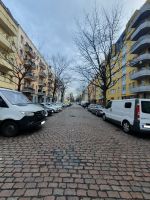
(146,106)
(16,98)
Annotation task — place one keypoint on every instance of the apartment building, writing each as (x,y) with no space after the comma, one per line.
(8,39)
(38,81)
(134,48)
(37,84)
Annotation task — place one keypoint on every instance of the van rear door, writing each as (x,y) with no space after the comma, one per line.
(145,115)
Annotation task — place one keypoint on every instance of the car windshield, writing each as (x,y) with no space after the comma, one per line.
(146,106)
(16,98)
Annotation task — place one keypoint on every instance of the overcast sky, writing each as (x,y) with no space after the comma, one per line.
(50,24)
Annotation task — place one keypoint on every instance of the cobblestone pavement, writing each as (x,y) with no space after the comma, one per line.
(75,156)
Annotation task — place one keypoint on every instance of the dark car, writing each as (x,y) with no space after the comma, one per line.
(96,109)
(85,105)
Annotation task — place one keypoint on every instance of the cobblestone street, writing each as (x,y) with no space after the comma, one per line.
(75,156)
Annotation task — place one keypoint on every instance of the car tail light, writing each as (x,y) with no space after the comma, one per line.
(137,111)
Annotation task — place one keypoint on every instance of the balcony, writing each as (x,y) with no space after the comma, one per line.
(29,51)
(28,89)
(140,60)
(5,65)
(42,74)
(29,63)
(143,29)
(8,24)
(142,88)
(141,44)
(5,43)
(41,83)
(41,64)
(140,74)
(142,14)
(30,76)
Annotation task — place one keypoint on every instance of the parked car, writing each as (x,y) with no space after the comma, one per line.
(91,107)
(17,112)
(49,110)
(54,107)
(85,104)
(98,110)
(131,114)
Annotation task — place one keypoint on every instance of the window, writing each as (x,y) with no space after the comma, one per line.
(2,103)
(21,52)
(22,39)
(128,105)
(109,105)
(145,106)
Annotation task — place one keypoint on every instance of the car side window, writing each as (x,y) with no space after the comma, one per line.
(128,105)
(2,103)
(108,105)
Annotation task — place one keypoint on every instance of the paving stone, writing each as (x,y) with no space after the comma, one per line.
(45,192)
(74,158)
(31,192)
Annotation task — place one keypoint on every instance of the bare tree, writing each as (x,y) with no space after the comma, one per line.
(95,41)
(60,65)
(21,62)
(66,80)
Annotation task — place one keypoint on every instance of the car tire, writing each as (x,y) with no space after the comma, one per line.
(104,117)
(126,126)
(9,129)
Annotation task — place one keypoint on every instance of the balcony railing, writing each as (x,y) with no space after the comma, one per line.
(41,64)
(141,73)
(142,43)
(30,76)
(141,88)
(29,63)
(143,29)
(29,51)
(42,74)
(139,60)
(143,14)
(28,89)
(6,43)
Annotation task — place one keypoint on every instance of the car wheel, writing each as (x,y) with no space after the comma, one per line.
(9,129)
(96,113)
(104,117)
(126,127)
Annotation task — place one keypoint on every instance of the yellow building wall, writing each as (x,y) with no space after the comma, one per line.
(8,34)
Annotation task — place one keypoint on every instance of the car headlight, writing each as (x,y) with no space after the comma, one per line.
(28,114)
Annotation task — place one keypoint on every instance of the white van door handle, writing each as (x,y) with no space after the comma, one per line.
(111,109)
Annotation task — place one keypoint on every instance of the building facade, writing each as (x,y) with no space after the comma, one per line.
(38,82)
(134,60)
(133,50)
(8,35)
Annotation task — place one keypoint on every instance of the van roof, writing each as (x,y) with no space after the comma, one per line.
(6,89)
(130,99)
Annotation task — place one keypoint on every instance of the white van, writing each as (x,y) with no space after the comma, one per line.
(17,112)
(131,114)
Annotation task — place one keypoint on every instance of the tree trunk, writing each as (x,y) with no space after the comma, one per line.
(19,85)
(54,91)
(104,97)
